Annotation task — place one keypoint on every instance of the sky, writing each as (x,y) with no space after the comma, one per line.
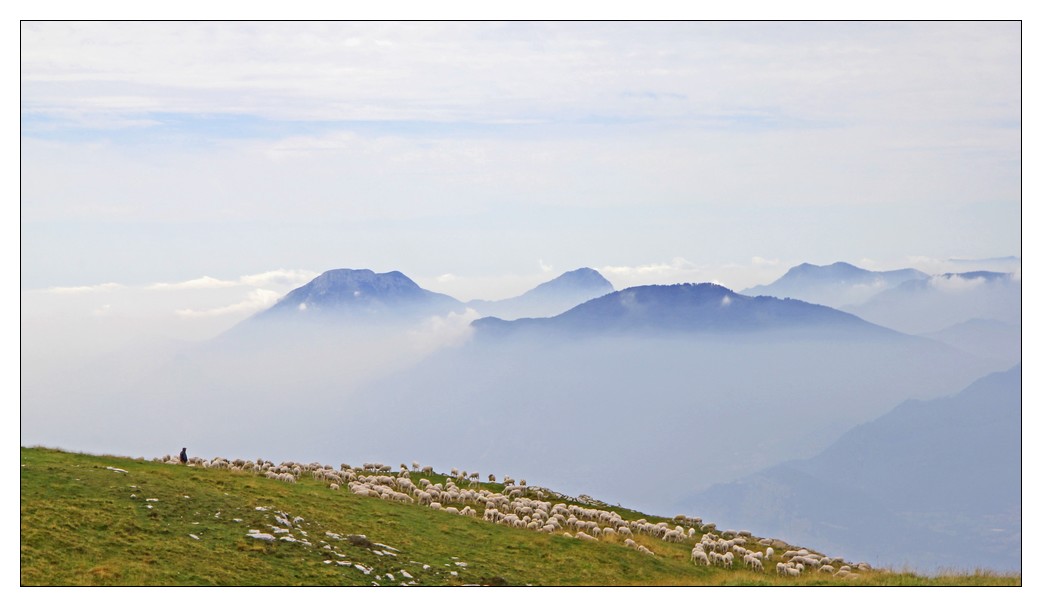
(481,158)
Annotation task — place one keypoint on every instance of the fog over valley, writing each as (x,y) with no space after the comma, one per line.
(644,396)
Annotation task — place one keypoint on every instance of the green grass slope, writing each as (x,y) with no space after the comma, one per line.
(113,521)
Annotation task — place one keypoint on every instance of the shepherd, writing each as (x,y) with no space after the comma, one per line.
(184,455)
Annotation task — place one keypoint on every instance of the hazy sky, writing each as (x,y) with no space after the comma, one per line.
(210,167)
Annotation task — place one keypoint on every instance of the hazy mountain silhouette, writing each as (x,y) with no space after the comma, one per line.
(338,295)
(937,302)
(932,483)
(652,392)
(549,298)
(984,337)
(834,285)
(703,308)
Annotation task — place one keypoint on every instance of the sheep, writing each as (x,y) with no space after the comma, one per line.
(699,557)
(752,562)
(827,569)
(491,478)
(671,536)
(334,486)
(769,553)
(644,550)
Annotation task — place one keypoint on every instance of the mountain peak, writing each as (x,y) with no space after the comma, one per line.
(581,279)
(349,292)
(549,298)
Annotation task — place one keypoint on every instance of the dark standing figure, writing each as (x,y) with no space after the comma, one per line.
(184,455)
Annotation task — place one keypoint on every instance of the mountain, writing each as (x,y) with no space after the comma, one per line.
(549,298)
(915,486)
(674,388)
(349,295)
(937,302)
(834,285)
(992,338)
(341,329)
(703,308)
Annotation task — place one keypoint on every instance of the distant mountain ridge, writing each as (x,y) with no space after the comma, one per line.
(549,298)
(917,484)
(934,303)
(689,307)
(834,285)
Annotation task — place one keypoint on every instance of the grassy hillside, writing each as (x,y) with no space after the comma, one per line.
(106,520)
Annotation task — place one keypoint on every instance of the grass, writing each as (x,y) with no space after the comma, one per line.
(84,524)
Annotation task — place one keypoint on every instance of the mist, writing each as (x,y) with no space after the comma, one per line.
(636,420)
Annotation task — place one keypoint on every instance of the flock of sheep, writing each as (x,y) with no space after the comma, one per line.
(521,506)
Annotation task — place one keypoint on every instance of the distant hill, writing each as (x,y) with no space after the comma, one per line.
(935,303)
(992,338)
(936,483)
(705,307)
(549,298)
(834,285)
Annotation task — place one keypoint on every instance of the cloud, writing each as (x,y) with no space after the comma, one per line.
(760,261)
(205,282)
(436,332)
(676,270)
(258,299)
(278,277)
(108,286)
(263,279)
(955,283)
